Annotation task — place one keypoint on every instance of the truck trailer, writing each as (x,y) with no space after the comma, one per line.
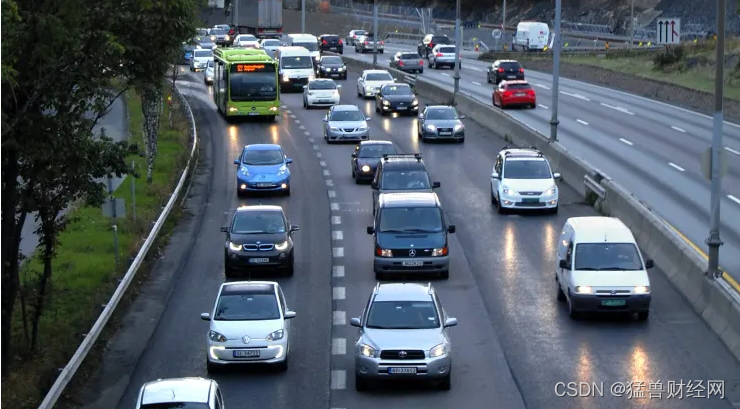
(261,18)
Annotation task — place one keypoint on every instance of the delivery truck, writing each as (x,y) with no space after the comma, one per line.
(262,18)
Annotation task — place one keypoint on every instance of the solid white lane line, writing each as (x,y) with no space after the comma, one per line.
(338,293)
(616,108)
(626,141)
(675,128)
(339,346)
(332,193)
(339,379)
(542,106)
(329,182)
(445,74)
(579,96)
(734,199)
(336,220)
(732,151)
(337,234)
(476,83)
(326,172)
(582,122)
(337,271)
(674,166)
(334,206)
(543,86)
(339,318)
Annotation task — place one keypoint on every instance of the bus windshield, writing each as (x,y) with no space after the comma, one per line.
(253,86)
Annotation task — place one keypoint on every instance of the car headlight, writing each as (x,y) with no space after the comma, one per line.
(508,191)
(439,252)
(333,128)
(583,289)
(642,289)
(311,77)
(213,38)
(340,69)
(416,102)
(226,38)
(244,171)
(367,350)
(431,128)
(286,78)
(459,128)
(383,252)
(235,247)
(365,168)
(282,170)
(438,350)
(363,127)
(386,103)
(551,191)
(216,337)
(282,246)
(276,335)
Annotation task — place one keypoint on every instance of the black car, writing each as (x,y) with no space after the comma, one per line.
(331,42)
(407,62)
(221,37)
(396,97)
(429,41)
(259,238)
(366,157)
(504,70)
(331,66)
(401,173)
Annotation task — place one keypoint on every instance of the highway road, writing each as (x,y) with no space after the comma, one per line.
(514,341)
(651,148)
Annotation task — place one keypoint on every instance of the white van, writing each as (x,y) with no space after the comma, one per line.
(296,68)
(601,269)
(531,35)
(308,41)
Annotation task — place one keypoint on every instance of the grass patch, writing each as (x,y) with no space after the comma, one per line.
(691,67)
(85,274)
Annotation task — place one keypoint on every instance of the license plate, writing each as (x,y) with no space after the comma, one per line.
(445,133)
(412,263)
(613,303)
(519,94)
(401,370)
(264,184)
(247,353)
(261,260)
(401,108)
(332,48)
(530,200)
(511,76)
(253,113)
(335,75)
(324,101)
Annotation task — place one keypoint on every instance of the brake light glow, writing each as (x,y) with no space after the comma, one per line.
(340,42)
(421,62)
(381,43)
(439,54)
(354,36)
(231,32)
(324,42)
(400,63)
(507,94)
(521,70)
(500,70)
(431,45)
(530,93)
(366,42)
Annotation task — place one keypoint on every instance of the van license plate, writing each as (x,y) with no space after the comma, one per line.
(402,108)
(530,200)
(613,303)
(412,263)
(401,370)
(247,353)
(445,133)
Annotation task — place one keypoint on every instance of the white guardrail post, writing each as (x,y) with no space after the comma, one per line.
(69,371)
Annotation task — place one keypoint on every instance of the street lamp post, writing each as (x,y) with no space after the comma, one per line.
(375,33)
(458,48)
(555,74)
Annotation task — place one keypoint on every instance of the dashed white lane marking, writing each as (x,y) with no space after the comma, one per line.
(616,108)
(626,141)
(319,155)
(337,271)
(582,122)
(338,293)
(339,318)
(332,194)
(322,163)
(476,83)
(543,106)
(301,127)
(339,379)
(312,140)
(315,147)
(734,199)
(283,106)
(337,252)
(674,166)
(334,206)
(339,346)
(336,220)
(579,96)
(287,111)
(326,172)
(337,234)
(306,133)
(675,128)
(292,116)
(474,69)
(298,121)
(329,182)
(445,74)
(732,151)
(543,86)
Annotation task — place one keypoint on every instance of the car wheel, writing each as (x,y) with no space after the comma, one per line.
(561,294)
(493,198)
(359,94)
(554,210)
(421,71)
(533,106)
(291,270)
(429,63)
(377,110)
(501,209)
(282,366)
(361,384)
(643,315)
(572,313)
(382,51)
(488,79)
(461,140)
(446,383)
(305,105)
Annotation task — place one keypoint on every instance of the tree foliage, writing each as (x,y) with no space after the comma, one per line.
(63,65)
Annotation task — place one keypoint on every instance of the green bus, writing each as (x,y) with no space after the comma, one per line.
(245,83)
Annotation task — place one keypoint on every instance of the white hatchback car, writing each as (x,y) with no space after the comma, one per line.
(250,323)
(321,92)
(198,393)
(246,40)
(522,179)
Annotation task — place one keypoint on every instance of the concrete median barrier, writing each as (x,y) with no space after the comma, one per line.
(716,303)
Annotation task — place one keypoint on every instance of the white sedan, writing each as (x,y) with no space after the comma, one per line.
(246,41)
(250,323)
(321,92)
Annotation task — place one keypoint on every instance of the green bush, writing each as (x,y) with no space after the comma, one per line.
(668,57)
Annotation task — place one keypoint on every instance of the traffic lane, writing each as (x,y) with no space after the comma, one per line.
(177,348)
(512,260)
(477,380)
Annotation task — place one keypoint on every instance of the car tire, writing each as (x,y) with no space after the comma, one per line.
(421,71)
(382,51)
(359,94)
(305,105)
(361,384)
(461,140)
(358,180)
(444,275)
(287,191)
(446,383)
(643,315)
(561,294)
(533,106)
(499,208)
(572,313)
(377,110)
(493,198)
(429,63)
(282,366)
(228,271)
(554,210)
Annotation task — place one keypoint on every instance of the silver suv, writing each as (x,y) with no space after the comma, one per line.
(403,335)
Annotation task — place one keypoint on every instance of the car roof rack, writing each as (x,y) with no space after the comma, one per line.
(526,148)
(402,155)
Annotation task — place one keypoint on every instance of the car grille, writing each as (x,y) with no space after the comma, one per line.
(350,129)
(405,253)
(261,247)
(609,292)
(299,81)
(530,193)
(395,354)
(445,129)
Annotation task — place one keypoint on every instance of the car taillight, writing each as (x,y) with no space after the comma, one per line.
(366,43)
(340,42)
(400,63)
(381,43)
(354,36)
(521,70)
(530,92)
(431,45)
(507,94)
(439,54)
(231,32)
(324,42)
(500,70)
(421,62)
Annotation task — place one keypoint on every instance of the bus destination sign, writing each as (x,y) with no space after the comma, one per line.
(253,68)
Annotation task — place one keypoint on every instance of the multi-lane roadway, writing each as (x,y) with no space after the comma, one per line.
(651,148)
(514,342)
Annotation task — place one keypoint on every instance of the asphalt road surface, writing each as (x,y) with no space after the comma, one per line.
(651,148)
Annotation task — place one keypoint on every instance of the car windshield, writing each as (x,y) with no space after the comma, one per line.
(397,90)
(218,31)
(403,315)
(296,62)
(440,40)
(247,38)
(308,46)
(411,219)
(518,86)
(526,169)
(201,31)
(406,179)
(253,86)
(247,307)
(332,60)
(447,50)
(347,116)
(271,43)
(322,85)
(376,151)
(410,56)
(176,405)
(381,76)
(260,157)
(258,222)
(188,48)
(203,53)
(359,32)
(441,114)
(607,257)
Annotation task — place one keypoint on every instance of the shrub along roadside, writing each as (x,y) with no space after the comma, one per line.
(85,274)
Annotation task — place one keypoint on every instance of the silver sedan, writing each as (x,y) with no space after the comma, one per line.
(345,123)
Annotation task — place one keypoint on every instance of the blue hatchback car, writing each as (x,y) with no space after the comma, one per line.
(262,168)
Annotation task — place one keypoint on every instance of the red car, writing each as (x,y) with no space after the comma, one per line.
(514,93)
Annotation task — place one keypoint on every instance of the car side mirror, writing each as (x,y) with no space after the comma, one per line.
(339,87)
(649,264)
(294,228)
(462,117)
(236,161)
(224,229)
(205,316)
(495,175)
(305,87)
(354,155)
(435,185)
(451,228)
(564,264)
(374,185)
(450,322)
(324,119)
(370,230)
(367,118)
(421,116)
(557,176)
(355,322)
(289,314)
(288,161)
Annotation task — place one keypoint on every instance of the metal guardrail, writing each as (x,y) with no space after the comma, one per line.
(593,186)
(410,79)
(87,344)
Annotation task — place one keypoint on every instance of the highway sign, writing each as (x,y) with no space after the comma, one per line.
(706,163)
(114,208)
(496,33)
(668,31)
